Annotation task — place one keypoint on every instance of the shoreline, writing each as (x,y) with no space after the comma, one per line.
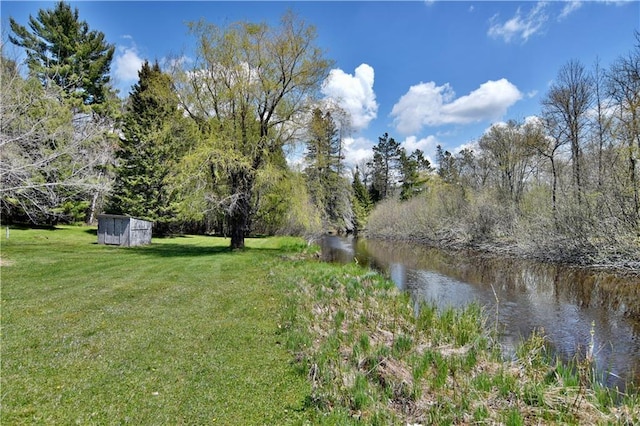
(575,257)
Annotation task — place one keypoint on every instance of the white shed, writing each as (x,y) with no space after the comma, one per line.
(123,230)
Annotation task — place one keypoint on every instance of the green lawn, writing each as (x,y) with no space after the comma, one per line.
(180,332)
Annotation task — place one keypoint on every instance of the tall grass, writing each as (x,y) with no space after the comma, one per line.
(373,358)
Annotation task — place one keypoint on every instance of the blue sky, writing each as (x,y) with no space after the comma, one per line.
(428,73)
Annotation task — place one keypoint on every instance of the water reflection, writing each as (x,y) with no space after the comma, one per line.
(336,249)
(522,296)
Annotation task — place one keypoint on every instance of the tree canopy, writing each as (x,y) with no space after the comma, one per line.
(247,91)
(61,48)
(154,137)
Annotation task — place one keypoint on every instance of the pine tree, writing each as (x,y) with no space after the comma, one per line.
(324,162)
(411,169)
(385,163)
(60,48)
(361,201)
(360,190)
(154,135)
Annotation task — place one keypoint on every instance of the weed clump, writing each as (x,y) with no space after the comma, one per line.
(376,357)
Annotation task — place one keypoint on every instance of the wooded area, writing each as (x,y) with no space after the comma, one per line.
(200,147)
(563,185)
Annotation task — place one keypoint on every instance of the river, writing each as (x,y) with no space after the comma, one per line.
(572,306)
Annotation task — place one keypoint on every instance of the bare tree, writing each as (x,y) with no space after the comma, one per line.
(602,119)
(624,88)
(567,104)
(52,161)
(507,149)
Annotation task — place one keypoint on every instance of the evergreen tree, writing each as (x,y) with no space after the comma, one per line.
(361,201)
(154,135)
(328,190)
(386,159)
(411,168)
(61,48)
(64,56)
(360,190)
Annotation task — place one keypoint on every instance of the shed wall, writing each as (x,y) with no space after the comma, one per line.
(123,230)
(139,232)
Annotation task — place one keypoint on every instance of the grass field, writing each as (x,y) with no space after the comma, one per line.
(180,332)
(187,332)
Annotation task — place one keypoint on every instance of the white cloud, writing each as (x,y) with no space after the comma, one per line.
(616,2)
(127,63)
(569,8)
(354,93)
(426,104)
(472,146)
(427,145)
(533,120)
(357,149)
(520,26)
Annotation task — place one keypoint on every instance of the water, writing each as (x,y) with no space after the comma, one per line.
(519,296)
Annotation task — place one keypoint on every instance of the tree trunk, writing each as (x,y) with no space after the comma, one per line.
(239,222)
(554,190)
(240,211)
(237,231)
(94,203)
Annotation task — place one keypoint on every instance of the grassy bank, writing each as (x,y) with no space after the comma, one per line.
(186,332)
(374,357)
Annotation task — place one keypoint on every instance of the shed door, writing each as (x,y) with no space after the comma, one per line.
(113,231)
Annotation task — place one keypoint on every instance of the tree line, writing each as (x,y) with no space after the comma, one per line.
(562,184)
(202,147)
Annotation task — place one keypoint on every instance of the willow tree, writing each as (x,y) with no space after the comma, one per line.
(247,90)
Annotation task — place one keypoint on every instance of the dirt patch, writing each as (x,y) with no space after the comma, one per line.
(6,262)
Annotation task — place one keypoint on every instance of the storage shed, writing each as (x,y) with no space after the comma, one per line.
(123,230)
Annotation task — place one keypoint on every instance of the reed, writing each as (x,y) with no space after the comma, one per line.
(383,356)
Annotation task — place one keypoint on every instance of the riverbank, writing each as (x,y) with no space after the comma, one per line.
(373,357)
(559,252)
(499,231)
(186,331)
